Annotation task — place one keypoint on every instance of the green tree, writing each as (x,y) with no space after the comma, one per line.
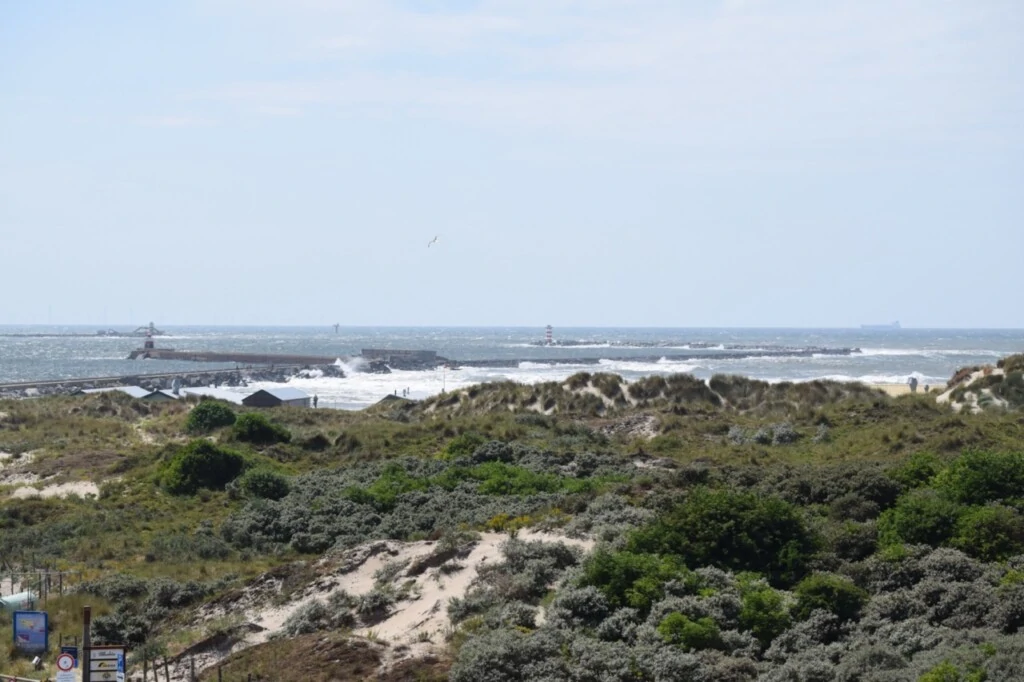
(734,531)
(209,415)
(831,593)
(201,464)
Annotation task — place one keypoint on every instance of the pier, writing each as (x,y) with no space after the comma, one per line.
(242,358)
(428,359)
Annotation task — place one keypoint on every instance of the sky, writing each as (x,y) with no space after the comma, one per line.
(775,163)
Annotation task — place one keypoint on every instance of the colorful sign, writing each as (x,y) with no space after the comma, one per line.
(31,631)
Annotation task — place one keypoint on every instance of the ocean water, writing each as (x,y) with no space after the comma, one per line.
(887,356)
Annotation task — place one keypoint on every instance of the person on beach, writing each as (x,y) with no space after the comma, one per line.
(913,384)
(316,399)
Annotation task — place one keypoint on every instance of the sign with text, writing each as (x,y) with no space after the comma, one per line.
(31,631)
(106,663)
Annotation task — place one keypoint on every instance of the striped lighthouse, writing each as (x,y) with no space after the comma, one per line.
(548,340)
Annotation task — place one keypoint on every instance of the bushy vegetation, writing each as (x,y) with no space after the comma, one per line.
(415,498)
(208,416)
(201,464)
(766,532)
(971,504)
(253,427)
(263,483)
(732,530)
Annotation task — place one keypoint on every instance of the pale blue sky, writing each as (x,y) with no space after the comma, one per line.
(587,162)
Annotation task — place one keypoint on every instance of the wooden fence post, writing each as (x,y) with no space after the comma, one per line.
(167,670)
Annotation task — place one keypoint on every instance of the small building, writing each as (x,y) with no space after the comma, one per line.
(136,392)
(275,397)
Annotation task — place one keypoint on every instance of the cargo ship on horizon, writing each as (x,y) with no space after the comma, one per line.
(881,327)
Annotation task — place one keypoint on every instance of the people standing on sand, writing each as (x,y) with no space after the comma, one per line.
(316,399)
(913,384)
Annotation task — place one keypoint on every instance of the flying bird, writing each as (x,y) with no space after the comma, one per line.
(432,242)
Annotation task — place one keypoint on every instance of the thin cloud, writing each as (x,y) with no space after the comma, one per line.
(176,121)
(742,74)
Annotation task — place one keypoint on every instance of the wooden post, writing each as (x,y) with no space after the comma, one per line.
(145,668)
(191,669)
(220,674)
(167,670)
(86,644)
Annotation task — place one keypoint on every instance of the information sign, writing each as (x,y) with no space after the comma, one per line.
(106,664)
(31,631)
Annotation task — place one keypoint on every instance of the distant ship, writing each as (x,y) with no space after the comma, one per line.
(879,327)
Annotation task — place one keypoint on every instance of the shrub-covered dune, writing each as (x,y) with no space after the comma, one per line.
(740,531)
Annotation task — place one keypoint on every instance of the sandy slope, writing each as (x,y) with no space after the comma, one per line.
(412,627)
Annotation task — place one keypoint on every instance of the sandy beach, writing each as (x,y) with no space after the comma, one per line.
(904,389)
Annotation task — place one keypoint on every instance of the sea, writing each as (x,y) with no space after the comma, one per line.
(885,356)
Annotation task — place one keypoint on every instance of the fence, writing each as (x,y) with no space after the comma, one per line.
(42,582)
(189,675)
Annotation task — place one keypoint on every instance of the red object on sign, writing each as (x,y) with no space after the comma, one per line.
(65,662)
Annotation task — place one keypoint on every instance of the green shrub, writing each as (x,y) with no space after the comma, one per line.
(764,614)
(201,464)
(253,427)
(500,478)
(209,415)
(991,533)
(181,547)
(919,517)
(916,472)
(264,483)
(383,492)
(629,579)
(734,531)
(464,445)
(831,593)
(698,634)
(977,477)
(947,672)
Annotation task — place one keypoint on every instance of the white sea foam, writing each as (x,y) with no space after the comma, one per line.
(928,352)
(869,378)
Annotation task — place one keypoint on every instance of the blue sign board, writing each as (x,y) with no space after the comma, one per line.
(31,631)
(73,650)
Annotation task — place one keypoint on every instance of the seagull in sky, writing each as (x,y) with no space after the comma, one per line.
(432,242)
